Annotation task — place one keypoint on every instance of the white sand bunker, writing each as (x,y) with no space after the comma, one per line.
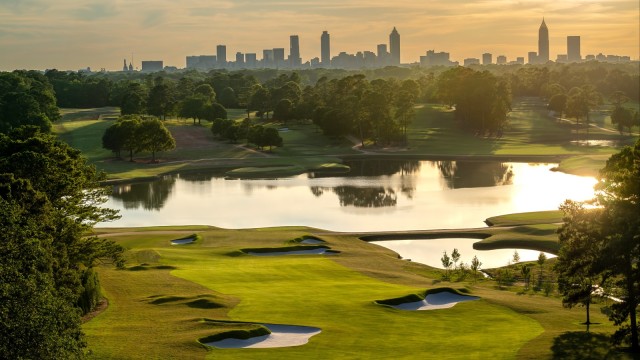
(317,251)
(183,241)
(281,336)
(441,300)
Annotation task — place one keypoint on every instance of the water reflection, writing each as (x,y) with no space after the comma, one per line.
(150,195)
(407,196)
(470,174)
(429,252)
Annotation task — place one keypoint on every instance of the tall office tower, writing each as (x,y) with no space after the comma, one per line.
(267,58)
(573,49)
(383,55)
(221,52)
(239,59)
(250,60)
(394,47)
(294,51)
(501,60)
(543,43)
(278,58)
(325,49)
(487,59)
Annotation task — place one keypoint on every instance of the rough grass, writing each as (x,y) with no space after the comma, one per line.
(335,294)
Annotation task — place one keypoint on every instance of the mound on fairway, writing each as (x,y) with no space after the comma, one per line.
(292,250)
(281,336)
(433,300)
(308,240)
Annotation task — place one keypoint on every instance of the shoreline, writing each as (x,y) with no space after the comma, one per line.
(352,157)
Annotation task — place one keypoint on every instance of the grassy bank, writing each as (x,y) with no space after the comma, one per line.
(531,135)
(158,304)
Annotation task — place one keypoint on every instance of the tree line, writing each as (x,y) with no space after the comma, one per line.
(133,134)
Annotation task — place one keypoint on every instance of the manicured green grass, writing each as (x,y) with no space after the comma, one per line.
(156,309)
(527,218)
(584,165)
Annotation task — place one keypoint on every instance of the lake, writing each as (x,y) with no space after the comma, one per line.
(375,196)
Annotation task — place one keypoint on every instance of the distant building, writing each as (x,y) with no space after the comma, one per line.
(436,59)
(125,68)
(562,58)
(601,57)
(315,62)
(278,58)
(543,43)
(590,57)
(267,58)
(501,60)
(201,62)
(152,65)
(239,60)
(532,57)
(471,61)
(520,60)
(294,51)
(487,58)
(573,49)
(325,49)
(369,59)
(383,55)
(250,60)
(394,47)
(221,52)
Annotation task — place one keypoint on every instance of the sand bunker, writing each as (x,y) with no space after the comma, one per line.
(183,241)
(317,251)
(281,336)
(441,300)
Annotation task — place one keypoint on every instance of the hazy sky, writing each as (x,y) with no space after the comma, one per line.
(74,34)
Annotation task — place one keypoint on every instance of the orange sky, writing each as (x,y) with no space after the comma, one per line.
(74,34)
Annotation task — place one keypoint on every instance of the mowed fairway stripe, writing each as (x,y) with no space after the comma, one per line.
(315,291)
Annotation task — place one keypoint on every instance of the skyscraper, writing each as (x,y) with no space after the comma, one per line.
(573,48)
(394,46)
(543,43)
(487,59)
(325,49)
(294,51)
(221,52)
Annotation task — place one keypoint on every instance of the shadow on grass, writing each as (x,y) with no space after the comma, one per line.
(582,345)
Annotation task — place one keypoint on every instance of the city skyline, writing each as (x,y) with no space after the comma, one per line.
(41,34)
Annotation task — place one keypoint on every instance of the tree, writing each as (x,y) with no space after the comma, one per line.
(619,195)
(126,129)
(446,263)
(154,136)
(516,257)
(194,107)
(623,117)
(214,111)
(271,138)
(283,111)
(580,102)
(541,260)
(455,257)
(557,103)
(161,100)
(133,100)
(525,270)
(475,266)
(604,242)
(579,266)
(405,109)
(51,199)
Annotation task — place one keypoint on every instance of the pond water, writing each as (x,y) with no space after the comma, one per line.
(374,196)
(429,252)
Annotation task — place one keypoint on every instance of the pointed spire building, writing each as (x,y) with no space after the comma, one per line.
(543,43)
(394,46)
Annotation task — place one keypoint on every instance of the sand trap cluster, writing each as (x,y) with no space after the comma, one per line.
(281,336)
(183,241)
(441,300)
